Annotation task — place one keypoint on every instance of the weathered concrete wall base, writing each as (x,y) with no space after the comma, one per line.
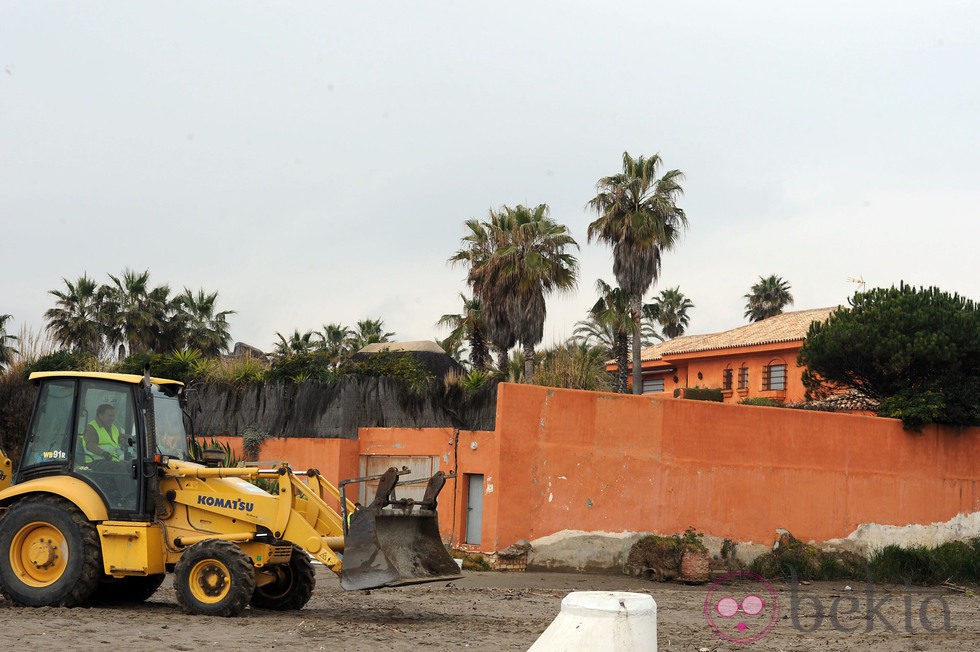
(575,551)
(582,552)
(606,552)
(869,537)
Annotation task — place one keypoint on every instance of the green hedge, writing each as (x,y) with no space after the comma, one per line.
(700,394)
(63,360)
(161,365)
(761,400)
(319,367)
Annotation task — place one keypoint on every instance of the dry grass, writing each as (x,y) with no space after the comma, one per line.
(32,344)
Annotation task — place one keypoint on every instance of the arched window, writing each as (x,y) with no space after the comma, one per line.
(727,377)
(774,375)
(743,377)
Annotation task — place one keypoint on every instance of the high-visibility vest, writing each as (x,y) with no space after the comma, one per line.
(108,441)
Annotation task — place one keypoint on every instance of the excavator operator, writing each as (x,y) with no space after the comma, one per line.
(102,436)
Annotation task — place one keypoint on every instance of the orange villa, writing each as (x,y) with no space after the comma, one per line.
(756,360)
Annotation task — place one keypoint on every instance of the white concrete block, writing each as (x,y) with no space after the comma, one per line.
(602,621)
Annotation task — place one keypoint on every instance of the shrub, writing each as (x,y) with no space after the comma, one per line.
(792,556)
(16,402)
(701,394)
(469,381)
(915,408)
(693,540)
(763,401)
(659,557)
(656,557)
(252,439)
(958,561)
(320,367)
(64,360)
(198,447)
(472,561)
(299,367)
(234,372)
(180,365)
(574,366)
(392,364)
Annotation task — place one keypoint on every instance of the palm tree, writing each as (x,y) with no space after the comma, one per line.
(75,321)
(539,263)
(455,350)
(468,326)
(133,313)
(527,259)
(479,247)
(171,319)
(767,298)
(297,344)
(336,340)
(369,331)
(204,329)
(602,335)
(669,309)
(595,333)
(639,217)
(612,314)
(6,350)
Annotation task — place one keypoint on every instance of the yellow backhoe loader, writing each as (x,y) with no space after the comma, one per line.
(106,500)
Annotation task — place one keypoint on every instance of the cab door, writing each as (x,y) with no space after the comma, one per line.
(110,406)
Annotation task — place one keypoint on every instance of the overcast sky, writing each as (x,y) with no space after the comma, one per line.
(314,162)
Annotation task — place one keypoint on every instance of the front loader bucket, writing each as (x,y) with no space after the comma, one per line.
(394,543)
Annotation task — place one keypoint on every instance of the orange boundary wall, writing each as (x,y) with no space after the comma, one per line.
(568,459)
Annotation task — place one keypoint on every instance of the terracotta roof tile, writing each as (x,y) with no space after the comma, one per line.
(786,327)
(847,401)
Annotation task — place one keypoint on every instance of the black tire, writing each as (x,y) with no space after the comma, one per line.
(214,578)
(293,586)
(127,589)
(50,555)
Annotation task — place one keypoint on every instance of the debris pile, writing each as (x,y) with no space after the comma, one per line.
(677,557)
(791,557)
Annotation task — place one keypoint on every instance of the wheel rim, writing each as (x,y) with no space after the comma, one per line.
(209,581)
(39,554)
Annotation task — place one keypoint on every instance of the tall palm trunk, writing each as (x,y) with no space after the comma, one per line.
(479,355)
(637,371)
(623,361)
(502,364)
(528,363)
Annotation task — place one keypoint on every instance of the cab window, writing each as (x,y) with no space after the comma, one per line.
(50,436)
(169,418)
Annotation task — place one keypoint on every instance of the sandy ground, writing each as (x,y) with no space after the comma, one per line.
(498,611)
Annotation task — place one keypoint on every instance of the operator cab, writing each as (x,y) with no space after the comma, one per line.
(92,426)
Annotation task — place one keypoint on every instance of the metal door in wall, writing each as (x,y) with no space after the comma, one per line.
(474,508)
(422,467)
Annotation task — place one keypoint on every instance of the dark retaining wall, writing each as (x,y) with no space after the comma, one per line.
(289,410)
(338,409)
